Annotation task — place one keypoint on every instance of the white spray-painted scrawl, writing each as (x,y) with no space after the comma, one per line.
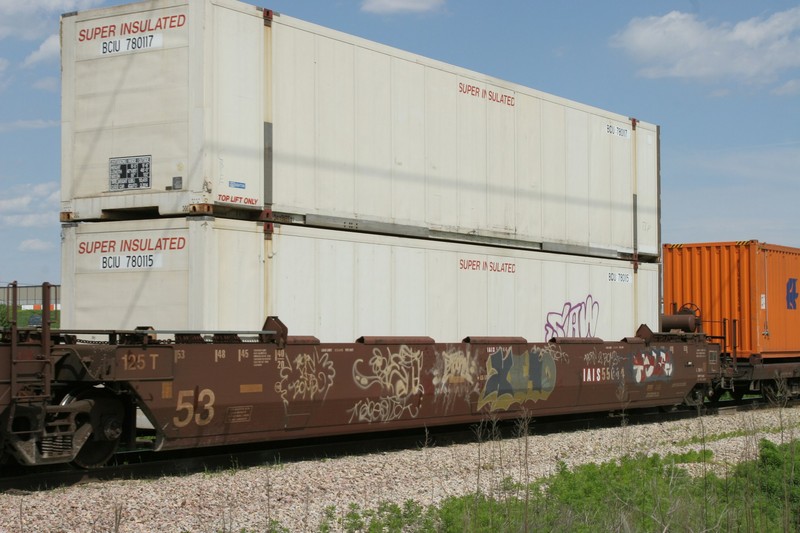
(398,375)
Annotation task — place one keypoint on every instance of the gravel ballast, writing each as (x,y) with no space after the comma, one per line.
(296,494)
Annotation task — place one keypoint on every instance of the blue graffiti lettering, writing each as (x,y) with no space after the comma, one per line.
(498,383)
(791,293)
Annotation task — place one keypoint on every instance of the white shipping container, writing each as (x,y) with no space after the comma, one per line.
(162,108)
(202,273)
(340,285)
(195,273)
(224,106)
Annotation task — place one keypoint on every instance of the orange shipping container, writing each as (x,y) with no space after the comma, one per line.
(748,281)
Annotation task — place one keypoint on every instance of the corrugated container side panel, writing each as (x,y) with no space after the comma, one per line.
(648,234)
(444,302)
(373,293)
(577,177)
(335,179)
(373,146)
(529,166)
(300,300)
(734,279)
(200,87)
(528,300)
(554,171)
(471,135)
(484,160)
(441,167)
(472,293)
(203,276)
(237,120)
(407,157)
(295,111)
(498,320)
(647,287)
(670,267)
(450,291)
(409,291)
(741,275)
(68,299)
(601,175)
(240,285)
(780,325)
(336,297)
(68,178)
(501,188)
(786,323)
(621,190)
(553,306)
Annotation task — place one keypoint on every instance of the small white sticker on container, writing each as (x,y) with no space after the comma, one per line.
(131,261)
(620,277)
(131,44)
(618,131)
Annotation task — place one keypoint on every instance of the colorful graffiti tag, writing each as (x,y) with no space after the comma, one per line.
(455,376)
(398,375)
(514,379)
(574,320)
(653,366)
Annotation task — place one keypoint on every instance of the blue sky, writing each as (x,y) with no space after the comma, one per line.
(721,78)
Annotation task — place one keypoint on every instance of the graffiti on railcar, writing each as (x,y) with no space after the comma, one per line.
(398,374)
(653,366)
(455,376)
(574,320)
(306,377)
(514,379)
(603,366)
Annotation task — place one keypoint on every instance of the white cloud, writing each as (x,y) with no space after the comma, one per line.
(400,6)
(790,88)
(773,166)
(30,206)
(40,219)
(15,205)
(33,19)
(35,245)
(37,124)
(679,45)
(49,50)
(3,76)
(49,84)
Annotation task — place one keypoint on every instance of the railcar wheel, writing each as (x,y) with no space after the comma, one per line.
(713,397)
(695,398)
(106,418)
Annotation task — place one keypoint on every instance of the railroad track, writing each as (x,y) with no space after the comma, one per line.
(149,465)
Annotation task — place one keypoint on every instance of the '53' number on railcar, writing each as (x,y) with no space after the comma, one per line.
(186,405)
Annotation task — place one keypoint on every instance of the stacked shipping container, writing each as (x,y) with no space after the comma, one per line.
(473,206)
(749,282)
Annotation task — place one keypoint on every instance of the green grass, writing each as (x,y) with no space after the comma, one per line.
(24,317)
(639,493)
(700,439)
